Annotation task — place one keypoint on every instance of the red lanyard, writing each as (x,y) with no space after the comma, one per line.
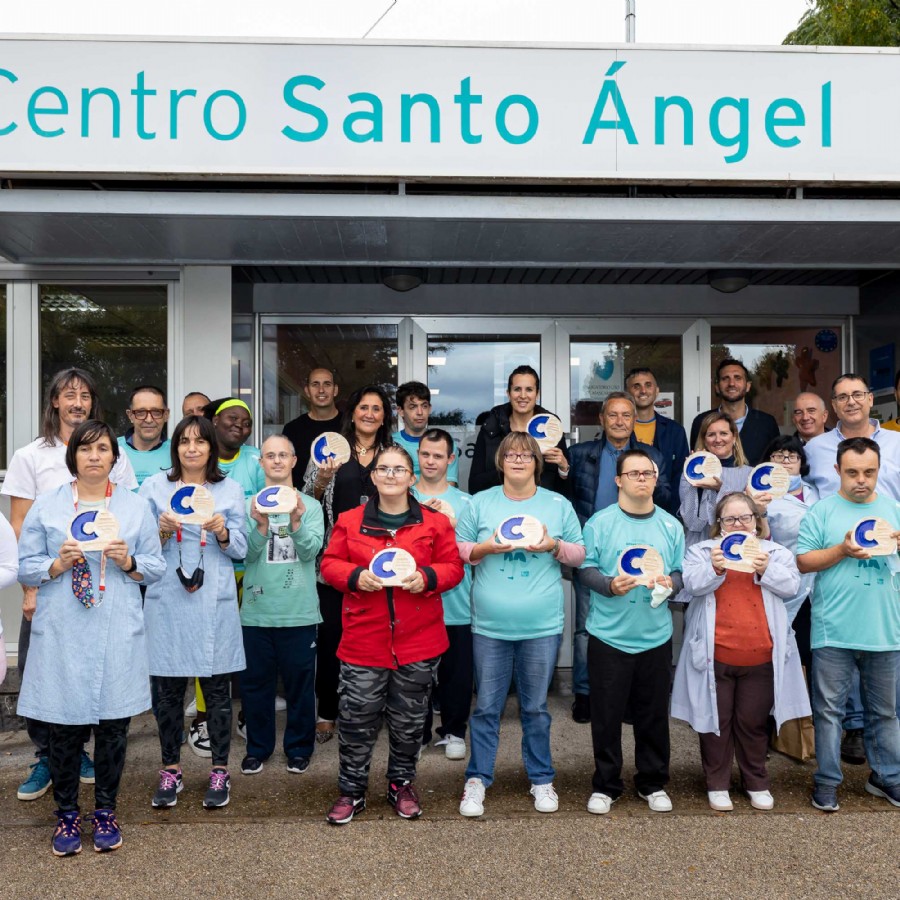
(178,529)
(102,586)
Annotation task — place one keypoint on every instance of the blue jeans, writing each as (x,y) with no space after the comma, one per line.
(580,681)
(495,661)
(832,680)
(853,717)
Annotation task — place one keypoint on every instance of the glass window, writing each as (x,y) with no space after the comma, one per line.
(115,332)
(782,362)
(359,354)
(598,366)
(468,374)
(242,359)
(3,403)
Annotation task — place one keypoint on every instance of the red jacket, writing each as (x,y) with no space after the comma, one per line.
(392,627)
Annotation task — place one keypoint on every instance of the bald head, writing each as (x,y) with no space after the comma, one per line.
(809,415)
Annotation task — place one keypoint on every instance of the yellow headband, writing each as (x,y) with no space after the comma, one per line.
(229,403)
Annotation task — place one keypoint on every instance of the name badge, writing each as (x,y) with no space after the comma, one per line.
(330,447)
(94,529)
(392,566)
(740,549)
(702,465)
(769,478)
(875,535)
(276,499)
(520,531)
(641,562)
(546,429)
(192,504)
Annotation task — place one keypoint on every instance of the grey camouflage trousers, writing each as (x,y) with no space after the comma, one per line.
(368,695)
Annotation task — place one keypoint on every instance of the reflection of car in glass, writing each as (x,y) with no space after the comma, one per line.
(663,402)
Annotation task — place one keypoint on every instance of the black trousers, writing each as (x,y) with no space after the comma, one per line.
(328,666)
(639,682)
(455,678)
(170,715)
(66,744)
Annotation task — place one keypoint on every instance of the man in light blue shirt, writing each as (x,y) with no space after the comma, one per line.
(144,444)
(855,623)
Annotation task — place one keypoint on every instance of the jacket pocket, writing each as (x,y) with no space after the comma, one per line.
(697,649)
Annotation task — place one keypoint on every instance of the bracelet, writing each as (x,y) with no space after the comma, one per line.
(165,535)
(132,567)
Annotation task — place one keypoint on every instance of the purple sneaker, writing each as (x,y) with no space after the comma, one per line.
(404,799)
(219,791)
(107,834)
(67,837)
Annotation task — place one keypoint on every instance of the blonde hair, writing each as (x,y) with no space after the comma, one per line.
(740,458)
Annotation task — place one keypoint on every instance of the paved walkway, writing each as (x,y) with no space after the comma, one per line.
(271,841)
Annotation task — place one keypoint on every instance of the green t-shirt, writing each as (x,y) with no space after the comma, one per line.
(855,604)
(629,623)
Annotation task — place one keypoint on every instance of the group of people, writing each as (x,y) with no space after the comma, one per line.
(379,591)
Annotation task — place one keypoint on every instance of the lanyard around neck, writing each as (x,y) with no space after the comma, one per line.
(102,586)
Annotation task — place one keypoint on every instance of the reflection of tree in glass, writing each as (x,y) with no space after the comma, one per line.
(450,417)
(774,364)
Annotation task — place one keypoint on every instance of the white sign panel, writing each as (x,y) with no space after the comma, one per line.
(403,111)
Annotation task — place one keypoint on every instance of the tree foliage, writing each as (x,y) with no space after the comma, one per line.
(849,23)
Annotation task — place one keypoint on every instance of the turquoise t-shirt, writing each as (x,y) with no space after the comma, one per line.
(280,579)
(854,603)
(458,601)
(148,462)
(517,596)
(411,445)
(629,623)
(246,470)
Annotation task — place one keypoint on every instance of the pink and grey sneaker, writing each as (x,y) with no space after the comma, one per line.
(219,791)
(404,799)
(344,809)
(170,786)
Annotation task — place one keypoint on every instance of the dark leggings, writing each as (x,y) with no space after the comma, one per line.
(66,744)
(170,715)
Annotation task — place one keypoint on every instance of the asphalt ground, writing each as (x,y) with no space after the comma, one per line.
(272,840)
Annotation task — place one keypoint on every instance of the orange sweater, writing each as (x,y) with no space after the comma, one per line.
(742,631)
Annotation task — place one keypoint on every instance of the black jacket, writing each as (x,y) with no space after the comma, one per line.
(758,430)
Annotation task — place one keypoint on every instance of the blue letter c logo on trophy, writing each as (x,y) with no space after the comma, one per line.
(875,535)
(94,529)
(702,465)
(641,562)
(740,549)
(392,566)
(276,499)
(520,531)
(546,429)
(192,504)
(330,447)
(769,478)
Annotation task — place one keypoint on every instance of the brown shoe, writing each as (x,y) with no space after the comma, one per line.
(324,731)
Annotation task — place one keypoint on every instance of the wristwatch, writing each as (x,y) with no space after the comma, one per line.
(132,567)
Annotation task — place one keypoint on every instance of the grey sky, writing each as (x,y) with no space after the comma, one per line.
(569,21)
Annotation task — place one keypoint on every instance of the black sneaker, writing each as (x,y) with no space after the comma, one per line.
(581,709)
(298,764)
(853,748)
(219,791)
(251,766)
(878,788)
(825,798)
(170,786)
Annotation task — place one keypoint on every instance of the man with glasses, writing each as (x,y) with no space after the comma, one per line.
(592,475)
(855,619)
(809,416)
(630,628)
(143,443)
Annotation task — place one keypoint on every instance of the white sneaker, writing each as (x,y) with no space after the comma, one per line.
(472,803)
(761,799)
(720,801)
(191,709)
(454,747)
(599,804)
(658,801)
(280,703)
(545,799)
(198,739)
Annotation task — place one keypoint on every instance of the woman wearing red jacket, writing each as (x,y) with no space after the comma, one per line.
(393,637)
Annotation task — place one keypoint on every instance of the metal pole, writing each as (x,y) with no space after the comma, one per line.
(629,21)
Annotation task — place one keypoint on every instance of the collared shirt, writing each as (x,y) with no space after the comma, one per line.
(821,454)
(607,492)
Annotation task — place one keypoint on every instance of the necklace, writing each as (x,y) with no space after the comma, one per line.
(362,451)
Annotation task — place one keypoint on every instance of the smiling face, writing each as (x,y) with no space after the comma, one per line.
(193,450)
(643,387)
(74,404)
(732,384)
(94,461)
(277,459)
(320,390)
(368,416)
(523,394)
(233,426)
(851,400)
(617,420)
(148,416)
(719,439)
(434,459)
(397,483)
(809,416)
(737,508)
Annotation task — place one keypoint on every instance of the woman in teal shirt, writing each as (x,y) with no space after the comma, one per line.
(517,615)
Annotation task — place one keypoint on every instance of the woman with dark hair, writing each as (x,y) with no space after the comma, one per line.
(785,515)
(739,661)
(517,614)
(393,636)
(88,657)
(718,435)
(193,624)
(367,428)
(523,389)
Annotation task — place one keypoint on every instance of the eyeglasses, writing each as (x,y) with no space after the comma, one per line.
(284,456)
(390,471)
(856,397)
(517,457)
(785,457)
(745,519)
(141,414)
(635,474)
